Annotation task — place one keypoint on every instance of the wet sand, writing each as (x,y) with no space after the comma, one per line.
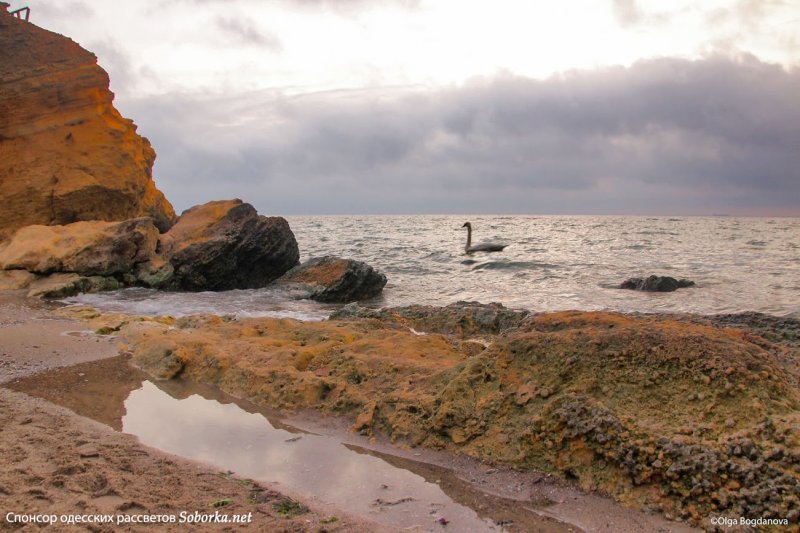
(34,339)
(317,456)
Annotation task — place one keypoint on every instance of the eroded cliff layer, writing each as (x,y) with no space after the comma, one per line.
(67,153)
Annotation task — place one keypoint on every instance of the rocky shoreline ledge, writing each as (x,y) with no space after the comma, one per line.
(681,415)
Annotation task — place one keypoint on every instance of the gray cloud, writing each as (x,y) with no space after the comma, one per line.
(663,136)
(245,32)
(346,5)
(748,16)
(335,5)
(118,65)
(627,12)
(50,10)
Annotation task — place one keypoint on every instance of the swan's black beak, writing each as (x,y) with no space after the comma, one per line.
(466,225)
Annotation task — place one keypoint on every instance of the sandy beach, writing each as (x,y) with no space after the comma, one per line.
(58,463)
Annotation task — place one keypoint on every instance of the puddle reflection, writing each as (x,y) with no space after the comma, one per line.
(202,423)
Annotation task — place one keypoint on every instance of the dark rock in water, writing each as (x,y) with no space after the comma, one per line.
(225,245)
(336,280)
(656,284)
(463,319)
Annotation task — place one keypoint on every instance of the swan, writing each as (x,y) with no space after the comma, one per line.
(483,247)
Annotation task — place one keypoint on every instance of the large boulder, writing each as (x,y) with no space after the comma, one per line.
(336,280)
(656,284)
(225,245)
(86,248)
(67,153)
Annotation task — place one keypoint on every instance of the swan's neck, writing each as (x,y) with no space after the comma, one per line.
(469,238)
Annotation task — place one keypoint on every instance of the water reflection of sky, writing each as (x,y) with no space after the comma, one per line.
(230,438)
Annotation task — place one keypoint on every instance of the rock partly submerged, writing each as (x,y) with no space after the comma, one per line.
(679,416)
(226,244)
(655,283)
(68,155)
(336,280)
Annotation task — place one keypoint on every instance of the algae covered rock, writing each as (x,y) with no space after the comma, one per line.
(225,245)
(688,418)
(336,280)
(463,319)
(62,285)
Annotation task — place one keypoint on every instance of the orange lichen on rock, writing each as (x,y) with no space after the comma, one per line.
(197,224)
(655,411)
(67,153)
(323,275)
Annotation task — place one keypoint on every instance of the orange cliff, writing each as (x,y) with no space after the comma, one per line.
(66,154)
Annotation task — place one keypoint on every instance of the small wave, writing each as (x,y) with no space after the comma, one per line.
(277,302)
(513,265)
(438,257)
(756,243)
(296,315)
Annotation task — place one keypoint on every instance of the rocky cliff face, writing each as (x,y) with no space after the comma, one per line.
(67,153)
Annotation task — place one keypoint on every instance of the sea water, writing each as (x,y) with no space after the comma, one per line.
(550,263)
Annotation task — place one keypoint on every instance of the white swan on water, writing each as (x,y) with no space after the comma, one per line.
(483,247)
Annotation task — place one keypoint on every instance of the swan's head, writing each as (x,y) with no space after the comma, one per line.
(467,225)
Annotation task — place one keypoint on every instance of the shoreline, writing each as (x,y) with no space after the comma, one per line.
(33,349)
(58,462)
(310,418)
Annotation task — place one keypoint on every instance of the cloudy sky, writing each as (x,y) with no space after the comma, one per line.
(458,106)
